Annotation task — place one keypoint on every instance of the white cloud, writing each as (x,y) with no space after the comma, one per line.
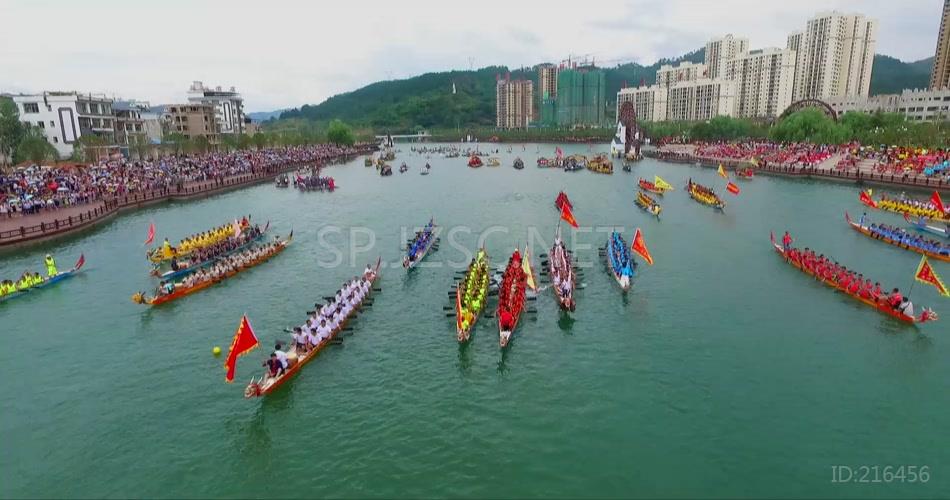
(287,53)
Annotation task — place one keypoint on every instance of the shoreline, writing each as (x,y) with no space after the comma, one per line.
(101,211)
(857,178)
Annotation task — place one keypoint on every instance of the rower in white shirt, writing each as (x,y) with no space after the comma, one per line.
(323,331)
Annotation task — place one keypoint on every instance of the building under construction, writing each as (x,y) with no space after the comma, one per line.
(581,97)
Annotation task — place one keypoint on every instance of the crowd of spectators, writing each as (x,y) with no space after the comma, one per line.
(30,190)
(851,156)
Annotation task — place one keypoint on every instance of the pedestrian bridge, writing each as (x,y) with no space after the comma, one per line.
(409,137)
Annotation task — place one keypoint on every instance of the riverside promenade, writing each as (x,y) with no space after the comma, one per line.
(26,230)
(861,173)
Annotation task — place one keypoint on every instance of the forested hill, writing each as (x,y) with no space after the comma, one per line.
(427,100)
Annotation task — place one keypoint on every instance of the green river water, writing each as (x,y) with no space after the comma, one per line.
(724,372)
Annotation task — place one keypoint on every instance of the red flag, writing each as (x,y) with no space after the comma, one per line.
(562,199)
(151,234)
(867,200)
(938,203)
(568,216)
(558,152)
(80,262)
(244,342)
(732,188)
(640,247)
(926,274)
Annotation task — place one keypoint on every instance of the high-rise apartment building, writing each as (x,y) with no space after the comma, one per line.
(514,103)
(668,75)
(581,97)
(763,81)
(648,102)
(547,81)
(720,50)
(835,54)
(940,75)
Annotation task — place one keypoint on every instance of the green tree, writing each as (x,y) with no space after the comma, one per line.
(340,133)
(260,140)
(810,125)
(174,142)
(244,141)
(201,144)
(12,129)
(229,142)
(88,148)
(34,147)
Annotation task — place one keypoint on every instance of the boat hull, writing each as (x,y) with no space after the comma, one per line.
(882,308)
(262,388)
(867,232)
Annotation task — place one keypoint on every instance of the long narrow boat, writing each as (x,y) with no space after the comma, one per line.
(474,161)
(262,387)
(704,195)
(649,205)
(866,230)
(49,281)
(158,256)
(883,308)
(561,271)
(649,186)
(902,207)
(140,298)
(920,225)
(184,271)
(746,174)
(511,298)
(421,253)
(622,268)
(466,311)
(601,164)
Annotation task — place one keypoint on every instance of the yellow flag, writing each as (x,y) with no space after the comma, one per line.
(722,173)
(660,183)
(526,267)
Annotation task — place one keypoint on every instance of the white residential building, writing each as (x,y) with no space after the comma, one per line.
(64,117)
(700,100)
(649,102)
(668,75)
(720,50)
(914,104)
(835,54)
(228,106)
(694,100)
(763,81)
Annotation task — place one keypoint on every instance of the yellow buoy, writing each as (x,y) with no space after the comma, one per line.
(216,351)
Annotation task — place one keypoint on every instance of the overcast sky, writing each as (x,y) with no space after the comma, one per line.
(287,53)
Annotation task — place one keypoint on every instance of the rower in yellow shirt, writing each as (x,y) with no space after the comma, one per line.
(50,266)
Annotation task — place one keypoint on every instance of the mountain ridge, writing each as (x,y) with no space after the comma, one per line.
(427,100)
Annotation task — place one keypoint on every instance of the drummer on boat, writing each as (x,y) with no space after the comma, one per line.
(50,266)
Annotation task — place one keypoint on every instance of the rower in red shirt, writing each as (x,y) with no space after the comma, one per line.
(895,298)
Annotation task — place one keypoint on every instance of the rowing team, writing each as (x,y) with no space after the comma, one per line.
(913,207)
(216,250)
(220,268)
(421,241)
(474,289)
(561,274)
(848,281)
(321,324)
(512,282)
(27,279)
(905,238)
(201,240)
(702,189)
